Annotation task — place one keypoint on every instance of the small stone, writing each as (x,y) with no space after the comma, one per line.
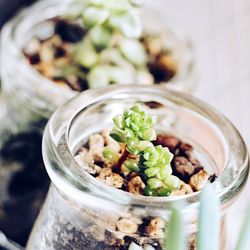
(110,178)
(155,228)
(127,226)
(183,168)
(32,47)
(185,149)
(157,222)
(168,141)
(153,44)
(110,142)
(155,232)
(97,232)
(46,53)
(183,190)
(136,185)
(198,181)
(96,146)
(86,161)
(134,246)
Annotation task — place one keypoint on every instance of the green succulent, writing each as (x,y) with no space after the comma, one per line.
(135,128)
(111,26)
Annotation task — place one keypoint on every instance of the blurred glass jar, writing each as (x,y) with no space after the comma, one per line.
(81,212)
(28,99)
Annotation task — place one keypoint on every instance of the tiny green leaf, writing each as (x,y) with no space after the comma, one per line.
(134,51)
(164,191)
(119,122)
(98,77)
(117,135)
(110,155)
(154,183)
(148,191)
(172,181)
(94,16)
(131,164)
(151,172)
(85,54)
(127,22)
(100,37)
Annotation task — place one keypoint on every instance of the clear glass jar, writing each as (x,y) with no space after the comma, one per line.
(37,22)
(28,99)
(81,212)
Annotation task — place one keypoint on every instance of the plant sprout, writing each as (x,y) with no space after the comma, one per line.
(135,128)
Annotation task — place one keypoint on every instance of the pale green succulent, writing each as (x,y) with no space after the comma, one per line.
(135,128)
(111,26)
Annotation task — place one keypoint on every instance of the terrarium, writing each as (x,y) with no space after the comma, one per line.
(82,44)
(111,191)
(29,96)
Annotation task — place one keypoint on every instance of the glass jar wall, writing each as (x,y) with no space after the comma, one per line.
(81,212)
(28,99)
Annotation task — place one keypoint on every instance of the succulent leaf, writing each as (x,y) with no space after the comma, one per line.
(175,232)
(209,220)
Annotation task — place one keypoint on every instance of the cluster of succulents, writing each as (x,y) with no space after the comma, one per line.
(111,49)
(135,129)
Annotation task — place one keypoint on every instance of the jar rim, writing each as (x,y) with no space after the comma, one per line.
(58,157)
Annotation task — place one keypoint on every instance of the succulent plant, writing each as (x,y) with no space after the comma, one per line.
(135,128)
(111,49)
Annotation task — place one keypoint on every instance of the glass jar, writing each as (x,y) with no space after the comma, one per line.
(28,99)
(81,212)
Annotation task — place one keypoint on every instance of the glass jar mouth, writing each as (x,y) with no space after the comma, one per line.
(16,33)
(64,170)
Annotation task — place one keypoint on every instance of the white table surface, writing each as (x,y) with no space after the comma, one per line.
(220,30)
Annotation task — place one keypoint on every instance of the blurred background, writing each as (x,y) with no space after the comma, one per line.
(219,31)
(9,8)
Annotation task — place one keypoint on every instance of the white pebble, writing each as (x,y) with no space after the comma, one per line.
(134,246)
